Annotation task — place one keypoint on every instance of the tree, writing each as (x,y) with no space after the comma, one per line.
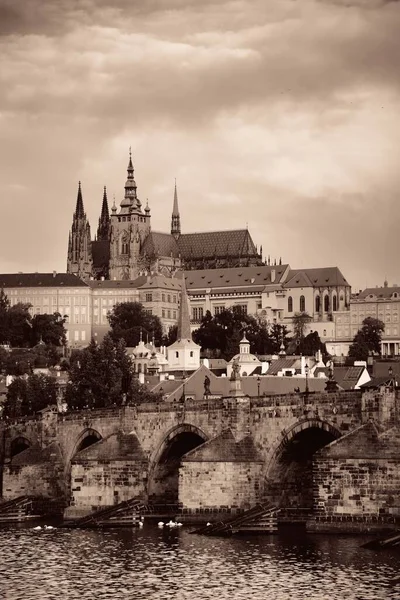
(299,325)
(367,339)
(222,333)
(102,376)
(278,334)
(171,336)
(311,344)
(28,395)
(20,325)
(4,324)
(48,328)
(127,319)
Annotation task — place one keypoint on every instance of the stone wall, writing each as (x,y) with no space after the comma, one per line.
(209,486)
(357,480)
(35,472)
(96,484)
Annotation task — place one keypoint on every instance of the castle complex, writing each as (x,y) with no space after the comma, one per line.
(126,247)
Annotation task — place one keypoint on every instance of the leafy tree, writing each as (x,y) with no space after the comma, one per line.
(278,334)
(28,395)
(299,325)
(222,333)
(48,328)
(4,324)
(171,336)
(311,344)
(367,339)
(128,318)
(20,325)
(101,376)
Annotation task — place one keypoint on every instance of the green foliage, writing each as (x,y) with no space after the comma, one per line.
(28,395)
(101,376)
(128,318)
(367,339)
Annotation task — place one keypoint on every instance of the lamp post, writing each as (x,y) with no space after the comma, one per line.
(258,386)
(391,382)
(306,370)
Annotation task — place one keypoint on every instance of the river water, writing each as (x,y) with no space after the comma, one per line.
(152,563)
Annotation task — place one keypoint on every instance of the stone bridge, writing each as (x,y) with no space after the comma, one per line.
(219,453)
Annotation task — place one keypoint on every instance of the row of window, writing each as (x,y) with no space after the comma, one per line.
(168,314)
(326,301)
(164,297)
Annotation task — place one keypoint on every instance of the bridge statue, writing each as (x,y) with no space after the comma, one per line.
(235,375)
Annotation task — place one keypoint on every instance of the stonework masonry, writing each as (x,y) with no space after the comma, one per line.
(226,452)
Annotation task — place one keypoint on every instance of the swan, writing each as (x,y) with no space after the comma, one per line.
(49,527)
(171,524)
(208,524)
(160,524)
(38,528)
(140,523)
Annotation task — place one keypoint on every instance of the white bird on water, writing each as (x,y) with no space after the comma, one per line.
(160,524)
(38,528)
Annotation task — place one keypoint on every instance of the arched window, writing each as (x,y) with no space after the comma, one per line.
(124,244)
(302,304)
(317,304)
(334,303)
(290,304)
(326,303)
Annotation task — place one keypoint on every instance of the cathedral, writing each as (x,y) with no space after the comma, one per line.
(125,247)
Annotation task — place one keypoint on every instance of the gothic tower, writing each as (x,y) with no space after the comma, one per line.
(175,220)
(128,229)
(80,261)
(103,229)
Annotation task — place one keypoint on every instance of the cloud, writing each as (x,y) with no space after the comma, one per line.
(282,115)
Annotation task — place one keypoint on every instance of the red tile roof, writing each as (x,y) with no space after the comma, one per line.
(320,277)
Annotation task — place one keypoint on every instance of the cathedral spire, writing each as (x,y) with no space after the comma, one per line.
(104,221)
(130,200)
(79,212)
(175,220)
(184,331)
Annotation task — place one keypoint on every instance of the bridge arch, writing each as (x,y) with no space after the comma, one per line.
(87,438)
(163,480)
(18,445)
(289,482)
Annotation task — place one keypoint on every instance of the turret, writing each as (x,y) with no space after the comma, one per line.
(80,261)
(103,230)
(175,220)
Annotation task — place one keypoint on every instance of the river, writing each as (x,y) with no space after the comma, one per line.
(152,563)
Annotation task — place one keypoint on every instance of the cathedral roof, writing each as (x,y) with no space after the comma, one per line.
(323,277)
(233,243)
(100,253)
(160,244)
(54,279)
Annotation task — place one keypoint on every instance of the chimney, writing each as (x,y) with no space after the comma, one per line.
(273,274)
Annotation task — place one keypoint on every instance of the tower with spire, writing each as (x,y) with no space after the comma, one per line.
(79,261)
(184,354)
(103,229)
(128,229)
(175,220)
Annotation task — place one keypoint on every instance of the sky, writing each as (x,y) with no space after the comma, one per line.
(279,115)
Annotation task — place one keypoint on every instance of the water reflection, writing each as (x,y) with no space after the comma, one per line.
(164,564)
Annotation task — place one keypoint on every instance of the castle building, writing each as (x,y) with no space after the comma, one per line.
(126,247)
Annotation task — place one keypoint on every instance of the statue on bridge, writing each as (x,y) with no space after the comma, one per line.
(235,375)
(207,382)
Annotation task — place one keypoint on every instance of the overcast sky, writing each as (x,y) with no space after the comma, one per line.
(280,114)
